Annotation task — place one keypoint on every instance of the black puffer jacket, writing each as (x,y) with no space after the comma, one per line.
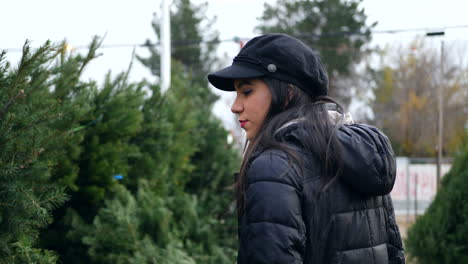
(289,220)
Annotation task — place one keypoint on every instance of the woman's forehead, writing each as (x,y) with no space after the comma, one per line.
(238,83)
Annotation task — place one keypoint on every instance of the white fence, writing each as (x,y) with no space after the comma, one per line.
(415,186)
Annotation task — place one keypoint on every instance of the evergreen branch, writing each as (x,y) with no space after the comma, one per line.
(37,152)
(37,122)
(40,150)
(22,64)
(32,159)
(10,102)
(57,199)
(7,126)
(27,61)
(95,44)
(27,195)
(127,73)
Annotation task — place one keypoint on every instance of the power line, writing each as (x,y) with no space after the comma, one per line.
(391,31)
(237,39)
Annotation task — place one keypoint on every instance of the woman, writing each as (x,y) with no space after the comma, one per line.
(312,188)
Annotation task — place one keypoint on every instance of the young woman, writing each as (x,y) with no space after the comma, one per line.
(312,188)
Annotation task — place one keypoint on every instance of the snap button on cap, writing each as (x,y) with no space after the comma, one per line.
(271,68)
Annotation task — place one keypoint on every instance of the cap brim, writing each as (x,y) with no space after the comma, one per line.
(224,79)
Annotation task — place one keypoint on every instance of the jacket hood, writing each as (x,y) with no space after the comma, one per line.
(369,164)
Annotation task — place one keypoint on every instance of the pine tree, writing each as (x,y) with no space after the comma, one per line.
(138,228)
(335,28)
(103,155)
(193,42)
(156,163)
(441,234)
(214,161)
(173,217)
(154,140)
(31,111)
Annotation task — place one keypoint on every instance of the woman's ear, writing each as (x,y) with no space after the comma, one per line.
(290,95)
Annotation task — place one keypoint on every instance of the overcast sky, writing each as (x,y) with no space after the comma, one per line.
(129,22)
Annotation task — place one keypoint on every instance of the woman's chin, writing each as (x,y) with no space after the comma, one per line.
(250,137)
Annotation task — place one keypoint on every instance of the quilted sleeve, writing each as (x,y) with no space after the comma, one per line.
(395,246)
(275,231)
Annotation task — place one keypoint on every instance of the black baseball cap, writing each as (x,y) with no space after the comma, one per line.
(278,56)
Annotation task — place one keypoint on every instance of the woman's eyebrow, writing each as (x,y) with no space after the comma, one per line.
(242,83)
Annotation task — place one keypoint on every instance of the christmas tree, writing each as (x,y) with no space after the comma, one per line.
(111,117)
(34,122)
(169,154)
(173,207)
(441,234)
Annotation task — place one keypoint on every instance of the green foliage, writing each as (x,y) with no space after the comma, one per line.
(141,229)
(203,149)
(176,164)
(166,139)
(383,94)
(24,252)
(173,227)
(63,137)
(193,42)
(74,96)
(175,208)
(32,107)
(106,129)
(441,234)
(335,28)
(106,146)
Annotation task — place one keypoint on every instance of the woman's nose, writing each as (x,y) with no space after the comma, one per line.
(237,107)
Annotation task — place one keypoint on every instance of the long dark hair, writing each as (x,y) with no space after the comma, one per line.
(289,103)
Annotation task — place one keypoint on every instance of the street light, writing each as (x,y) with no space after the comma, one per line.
(439,105)
(435,33)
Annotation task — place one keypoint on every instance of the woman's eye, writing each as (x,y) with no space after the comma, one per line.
(246,92)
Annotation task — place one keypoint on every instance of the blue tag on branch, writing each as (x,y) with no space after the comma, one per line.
(118,176)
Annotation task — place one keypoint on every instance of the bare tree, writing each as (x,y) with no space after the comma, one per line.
(405,103)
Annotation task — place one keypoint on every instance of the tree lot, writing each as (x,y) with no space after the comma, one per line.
(65,139)
(120,173)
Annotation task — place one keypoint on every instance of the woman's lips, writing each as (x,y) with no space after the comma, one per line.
(242,123)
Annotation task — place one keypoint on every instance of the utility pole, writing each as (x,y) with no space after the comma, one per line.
(441,116)
(440,94)
(165,46)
